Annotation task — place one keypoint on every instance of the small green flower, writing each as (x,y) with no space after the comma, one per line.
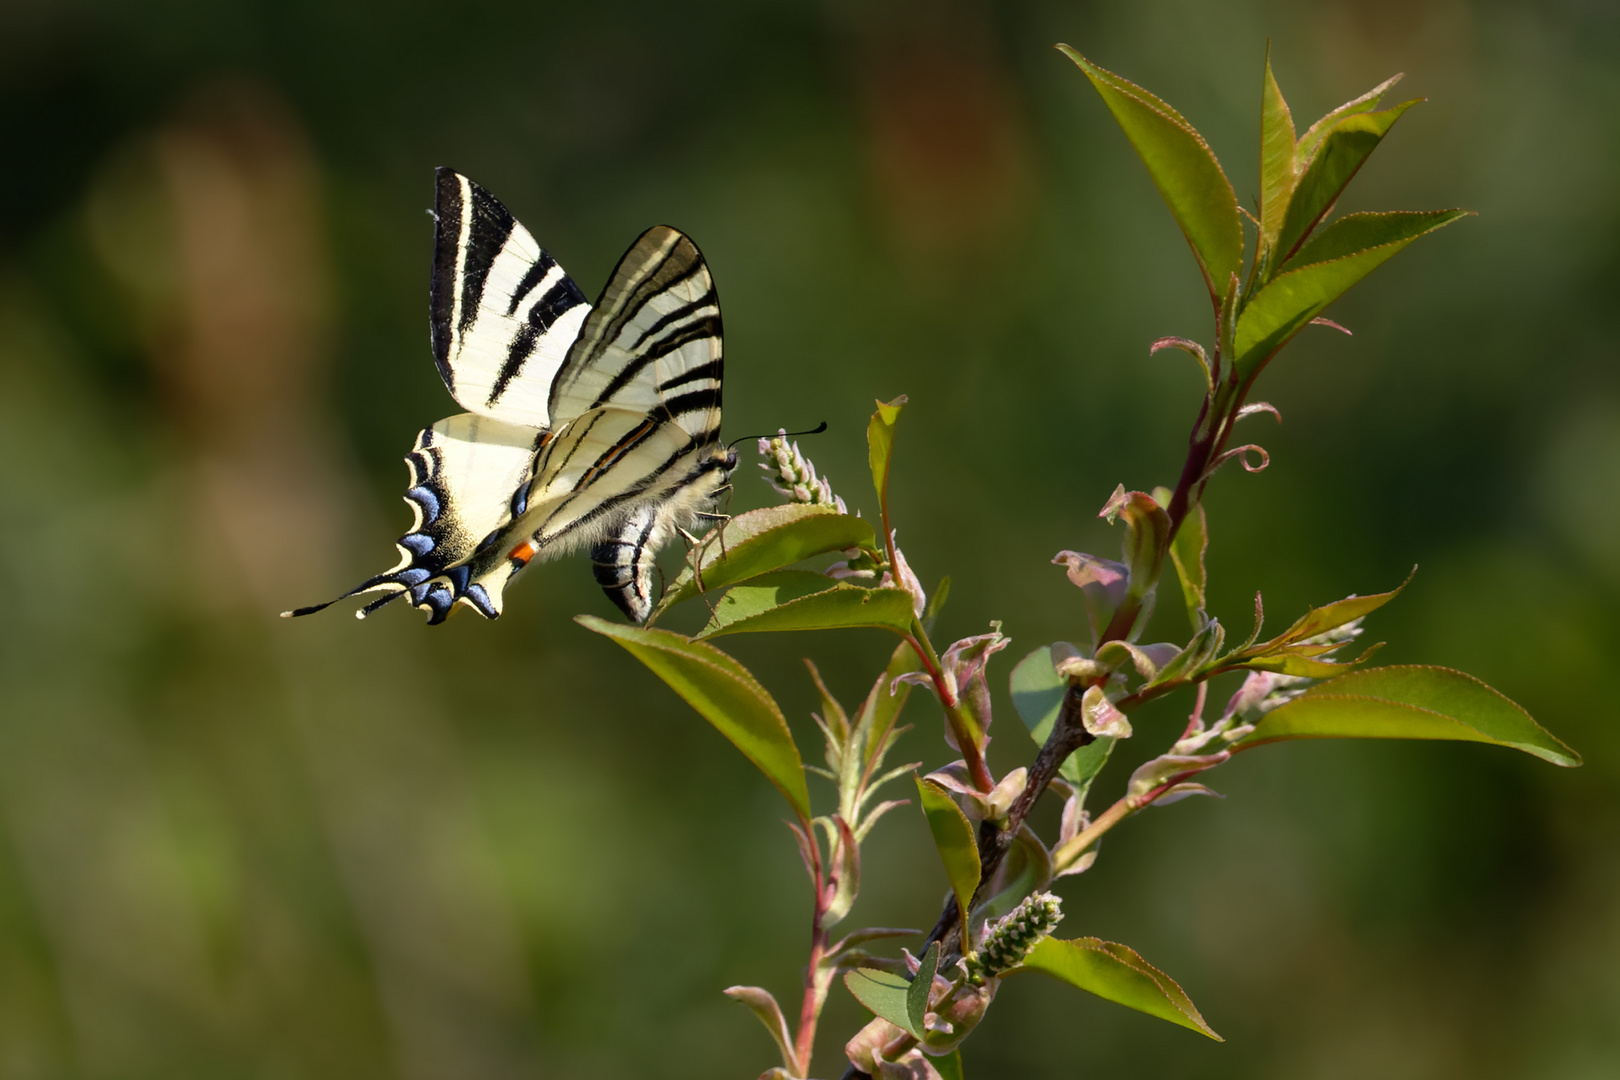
(1008,941)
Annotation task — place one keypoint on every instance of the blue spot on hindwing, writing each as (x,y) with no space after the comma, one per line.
(418,544)
(427,500)
(439,600)
(480,601)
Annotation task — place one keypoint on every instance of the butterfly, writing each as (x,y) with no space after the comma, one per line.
(586,426)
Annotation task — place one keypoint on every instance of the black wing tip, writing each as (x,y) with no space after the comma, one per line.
(296,613)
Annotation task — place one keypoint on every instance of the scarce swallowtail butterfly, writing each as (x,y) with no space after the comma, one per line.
(586,427)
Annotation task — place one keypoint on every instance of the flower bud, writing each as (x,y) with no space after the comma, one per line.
(794,476)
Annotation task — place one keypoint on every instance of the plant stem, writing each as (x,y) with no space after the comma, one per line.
(1208,438)
(817,981)
(1122,809)
(962,726)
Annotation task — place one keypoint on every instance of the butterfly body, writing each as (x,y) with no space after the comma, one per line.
(588,427)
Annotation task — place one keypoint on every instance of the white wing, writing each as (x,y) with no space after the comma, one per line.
(589,479)
(464,471)
(652,343)
(503,312)
(630,391)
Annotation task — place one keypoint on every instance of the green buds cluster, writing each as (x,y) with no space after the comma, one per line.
(793,475)
(1010,939)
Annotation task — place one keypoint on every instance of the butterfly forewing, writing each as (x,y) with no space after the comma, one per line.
(503,312)
(652,343)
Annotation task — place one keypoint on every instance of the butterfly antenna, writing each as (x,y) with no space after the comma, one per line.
(817,430)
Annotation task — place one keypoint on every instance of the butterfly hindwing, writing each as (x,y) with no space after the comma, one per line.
(592,481)
(503,313)
(623,562)
(463,473)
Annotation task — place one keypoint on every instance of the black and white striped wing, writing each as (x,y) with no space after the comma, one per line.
(590,479)
(503,313)
(463,473)
(652,343)
(624,562)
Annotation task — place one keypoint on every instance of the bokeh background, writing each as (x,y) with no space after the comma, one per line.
(232,846)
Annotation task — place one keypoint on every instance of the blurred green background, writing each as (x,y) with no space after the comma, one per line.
(232,846)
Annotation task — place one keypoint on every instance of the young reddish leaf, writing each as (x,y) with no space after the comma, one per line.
(1339,157)
(1292,299)
(953,837)
(1183,168)
(768,606)
(763,1005)
(1115,972)
(725,694)
(1277,175)
(760,541)
(1410,702)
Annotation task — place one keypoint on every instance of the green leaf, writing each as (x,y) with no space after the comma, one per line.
(1342,152)
(953,837)
(1410,702)
(763,540)
(1025,869)
(881,708)
(921,984)
(1084,764)
(1117,973)
(1297,660)
(880,445)
(949,1067)
(761,594)
(902,1002)
(1183,168)
(885,994)
(1291,300)
(1037,694)
(936,603)
(1277,175)
(827,609)
(1187,552)
(1355,233)
(1322,619)
(1367,102)
(725,694)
